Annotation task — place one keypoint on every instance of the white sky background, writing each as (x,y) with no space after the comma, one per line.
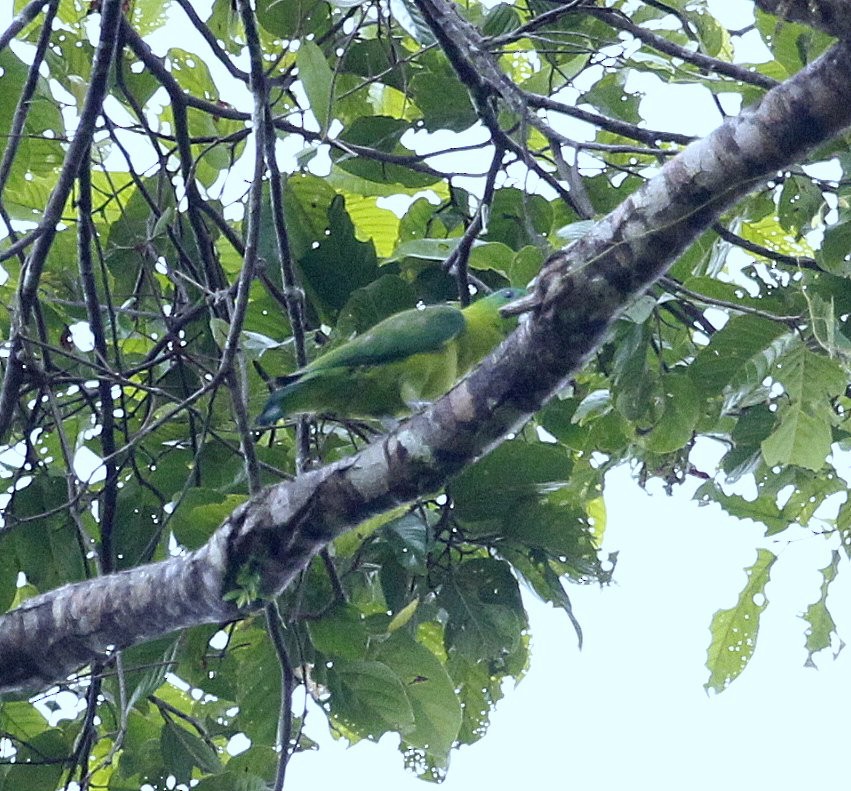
(629,711)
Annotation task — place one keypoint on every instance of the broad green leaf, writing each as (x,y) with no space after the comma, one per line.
(744,341)
(406,13)
(810,377)
(734,631)
(443,100)
(367,306)
(142,754)
(804,434)
(373,223)
(409,538)
(501,19)
(31,772)
(146,667)
(8,580)
(318,81)
(255,666)
(370,699)
(479,691)
(435,706)
(337,264)
(767,232)
(382,134)
(183,750)
(802,438)
(340,633)
(635,382)
(513,473)
(20,720)
(46,544)
(536,570)
(800,201)
(833,254)
(202,511)
(486,615)
(676,426)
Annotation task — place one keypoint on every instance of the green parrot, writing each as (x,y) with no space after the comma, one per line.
(398,365)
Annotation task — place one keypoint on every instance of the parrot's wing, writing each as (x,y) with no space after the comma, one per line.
(396,338)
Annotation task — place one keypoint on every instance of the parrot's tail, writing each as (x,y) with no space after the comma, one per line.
(270,415)
(275,408)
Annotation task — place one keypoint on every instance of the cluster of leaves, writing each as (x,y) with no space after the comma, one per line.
(414,619)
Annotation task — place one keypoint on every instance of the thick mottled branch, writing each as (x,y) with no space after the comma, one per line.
(580,292)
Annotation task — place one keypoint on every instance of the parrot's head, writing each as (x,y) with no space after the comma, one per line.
(502,297)
(487,308)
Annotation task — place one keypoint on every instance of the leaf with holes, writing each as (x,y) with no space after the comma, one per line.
(734,631)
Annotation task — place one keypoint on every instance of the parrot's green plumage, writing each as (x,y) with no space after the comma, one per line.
(402,362)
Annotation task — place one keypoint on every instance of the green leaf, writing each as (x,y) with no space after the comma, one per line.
(31,772)
(200,513)
(409,538)
(20,720)
(146,666)
(821,624)
(340,633)
(762,510)
(406,13)
(804,435)
(518,219)
(8,579)
(442,98)
(634,382)
(536,570)
(335,263)
(800,201)
(501,19)
(183,750)
(486,615)
(680,413)
(737,355)
(479,690)
(512,473)
(734,631)
(803,438)
(367,306)
(834,255)
(257,670)
(46,545)
(318,80)
(142,754)
(808,376)
(369,699)
(435,706)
